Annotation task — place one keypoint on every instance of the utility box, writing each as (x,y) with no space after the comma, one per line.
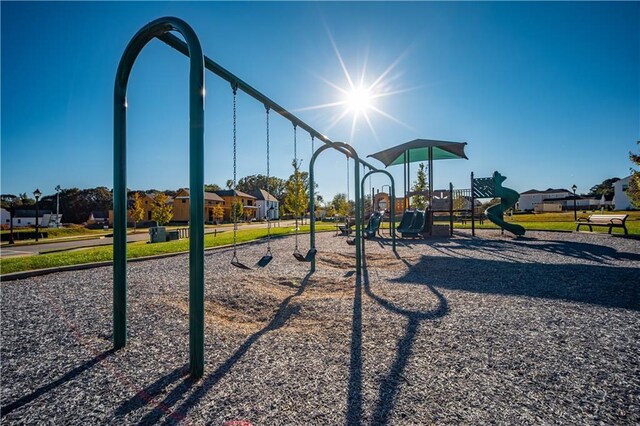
(157,234)
(173,235)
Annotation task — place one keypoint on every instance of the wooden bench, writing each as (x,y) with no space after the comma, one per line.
(610,220)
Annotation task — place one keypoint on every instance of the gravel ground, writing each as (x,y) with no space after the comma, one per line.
(537,330)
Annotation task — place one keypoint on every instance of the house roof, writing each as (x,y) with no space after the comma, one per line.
(30,213)
(208,196)
(229,193)
(546,191)
(100,214)
(261,194)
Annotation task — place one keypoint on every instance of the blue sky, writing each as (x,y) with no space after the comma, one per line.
(546,93)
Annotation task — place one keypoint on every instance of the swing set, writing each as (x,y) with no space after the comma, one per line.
(190,47)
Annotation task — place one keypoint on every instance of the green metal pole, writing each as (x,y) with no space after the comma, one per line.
(196,182)
(392,201)
(312,223)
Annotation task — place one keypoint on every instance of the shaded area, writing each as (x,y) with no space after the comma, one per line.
(163,408)
(62,380)
(389,385)
(603,285)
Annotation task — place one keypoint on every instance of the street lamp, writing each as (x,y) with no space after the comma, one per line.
(58,189)
(37,194)
(12,211)
(575,214)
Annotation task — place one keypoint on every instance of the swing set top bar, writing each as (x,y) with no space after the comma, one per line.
(179,45)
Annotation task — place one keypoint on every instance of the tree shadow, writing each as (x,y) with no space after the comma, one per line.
(390,383)
(62,380)
(164,407)
(572,249)
(600,284)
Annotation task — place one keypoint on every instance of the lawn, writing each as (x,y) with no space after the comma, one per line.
(140,249)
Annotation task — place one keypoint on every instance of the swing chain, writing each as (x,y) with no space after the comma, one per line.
(234,86)
(295,174)
(268,189)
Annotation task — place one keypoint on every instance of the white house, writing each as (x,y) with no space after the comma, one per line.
(28,218)
(267,204)
(530,198)
(5,217)
(620,199)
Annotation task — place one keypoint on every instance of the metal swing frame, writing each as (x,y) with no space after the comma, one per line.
(198,63)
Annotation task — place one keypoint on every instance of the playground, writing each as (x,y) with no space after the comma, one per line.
(451,330)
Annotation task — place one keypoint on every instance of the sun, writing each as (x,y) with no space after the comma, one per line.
(359,100)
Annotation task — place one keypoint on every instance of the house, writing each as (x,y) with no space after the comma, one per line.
(381,202)
(147,205)
(28,218)
(248,202)
(621,200)
(566,203)
(98,217)
(5,217)
(181,205)
(530,198)
(267,204)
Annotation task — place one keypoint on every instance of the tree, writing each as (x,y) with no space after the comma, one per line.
(605,188)
(277,186)
(229,183)
(461,203)
(236,211)
(296,200)
(218,213)
(420,201)
(340,204)
(161,211)
(247,213)
(633,192)
(136,210)
(212,187)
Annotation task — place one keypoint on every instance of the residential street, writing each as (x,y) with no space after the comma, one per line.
(27,250)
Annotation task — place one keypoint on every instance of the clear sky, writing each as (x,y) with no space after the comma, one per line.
(546,93)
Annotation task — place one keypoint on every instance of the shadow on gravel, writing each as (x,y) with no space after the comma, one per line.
(390,383)
(62,380)
(174,416)
(507,247)
(603,285)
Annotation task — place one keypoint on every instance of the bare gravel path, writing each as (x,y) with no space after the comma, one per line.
(539,330)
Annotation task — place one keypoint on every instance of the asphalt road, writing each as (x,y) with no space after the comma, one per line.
(29,250)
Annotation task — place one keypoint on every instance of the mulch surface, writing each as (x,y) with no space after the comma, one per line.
(493,329)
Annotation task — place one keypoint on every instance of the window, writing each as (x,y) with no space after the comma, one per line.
(183,201)
(19,220)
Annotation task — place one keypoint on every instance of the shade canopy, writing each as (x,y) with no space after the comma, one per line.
(418,150)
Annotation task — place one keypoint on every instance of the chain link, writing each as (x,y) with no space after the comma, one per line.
(233,206)
(267,201)
(295,180)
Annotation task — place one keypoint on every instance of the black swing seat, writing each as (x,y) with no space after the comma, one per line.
(311,254)
(239,264)
(351,241)
(264,260)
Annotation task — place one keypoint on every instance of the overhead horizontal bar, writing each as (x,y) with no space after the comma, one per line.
(179,45)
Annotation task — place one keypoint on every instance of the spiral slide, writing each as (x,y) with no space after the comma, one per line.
(508,199)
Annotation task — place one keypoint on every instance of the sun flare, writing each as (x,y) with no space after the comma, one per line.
(359,100)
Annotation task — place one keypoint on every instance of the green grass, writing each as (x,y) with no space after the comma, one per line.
(559,222)
(138,249)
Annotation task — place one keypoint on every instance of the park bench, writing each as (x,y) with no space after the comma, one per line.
(610,220)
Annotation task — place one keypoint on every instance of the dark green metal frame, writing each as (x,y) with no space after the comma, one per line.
(392,201)
(160,29)
(358,213)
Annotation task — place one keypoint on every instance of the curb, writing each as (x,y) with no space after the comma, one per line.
(81,266)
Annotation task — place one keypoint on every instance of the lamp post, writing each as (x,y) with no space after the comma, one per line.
(37,195)
(12,211)
(575,213)
(58,189)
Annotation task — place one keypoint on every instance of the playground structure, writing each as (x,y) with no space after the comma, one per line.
(160,29)
(492,188)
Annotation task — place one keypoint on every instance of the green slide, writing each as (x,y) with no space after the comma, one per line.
(508,199)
